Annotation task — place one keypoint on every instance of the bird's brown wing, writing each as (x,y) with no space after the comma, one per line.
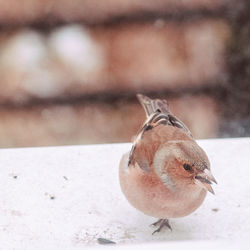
(158,113)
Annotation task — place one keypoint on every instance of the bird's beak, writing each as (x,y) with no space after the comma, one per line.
(205,180)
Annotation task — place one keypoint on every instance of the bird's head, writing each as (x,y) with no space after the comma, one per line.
(183,163)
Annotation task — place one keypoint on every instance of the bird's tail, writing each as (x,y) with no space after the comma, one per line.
(152,106)
(158,112)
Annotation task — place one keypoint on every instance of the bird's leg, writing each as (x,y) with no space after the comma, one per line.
(156,223)
(162,223)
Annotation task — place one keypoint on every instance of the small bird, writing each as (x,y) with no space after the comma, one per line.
(166,174)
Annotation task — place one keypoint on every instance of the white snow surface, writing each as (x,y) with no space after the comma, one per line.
(67,197)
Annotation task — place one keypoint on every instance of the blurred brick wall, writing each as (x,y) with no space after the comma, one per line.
(95,11)
(70,70)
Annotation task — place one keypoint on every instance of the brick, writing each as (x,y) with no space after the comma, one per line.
(97,123)
(165,56)
(74,60)
(92,11)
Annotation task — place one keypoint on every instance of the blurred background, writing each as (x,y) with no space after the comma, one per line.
(70,70)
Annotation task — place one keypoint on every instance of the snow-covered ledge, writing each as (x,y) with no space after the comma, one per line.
(68,197)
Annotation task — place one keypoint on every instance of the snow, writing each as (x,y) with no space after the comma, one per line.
(67,197)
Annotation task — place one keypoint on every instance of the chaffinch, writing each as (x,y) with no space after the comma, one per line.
(166,174)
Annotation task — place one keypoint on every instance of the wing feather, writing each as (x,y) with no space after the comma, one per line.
(157,113)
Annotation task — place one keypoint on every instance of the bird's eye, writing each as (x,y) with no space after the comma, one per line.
(187,167)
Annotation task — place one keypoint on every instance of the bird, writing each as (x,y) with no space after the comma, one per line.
(166,174)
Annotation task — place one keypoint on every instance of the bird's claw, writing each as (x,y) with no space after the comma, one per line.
(162,223)
(156,223)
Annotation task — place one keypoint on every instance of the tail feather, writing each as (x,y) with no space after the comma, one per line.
(152,106)
(158,112)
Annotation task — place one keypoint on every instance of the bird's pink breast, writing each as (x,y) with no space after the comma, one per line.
(147,193)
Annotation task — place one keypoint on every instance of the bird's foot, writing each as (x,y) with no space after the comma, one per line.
(156,223)
(162,223)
